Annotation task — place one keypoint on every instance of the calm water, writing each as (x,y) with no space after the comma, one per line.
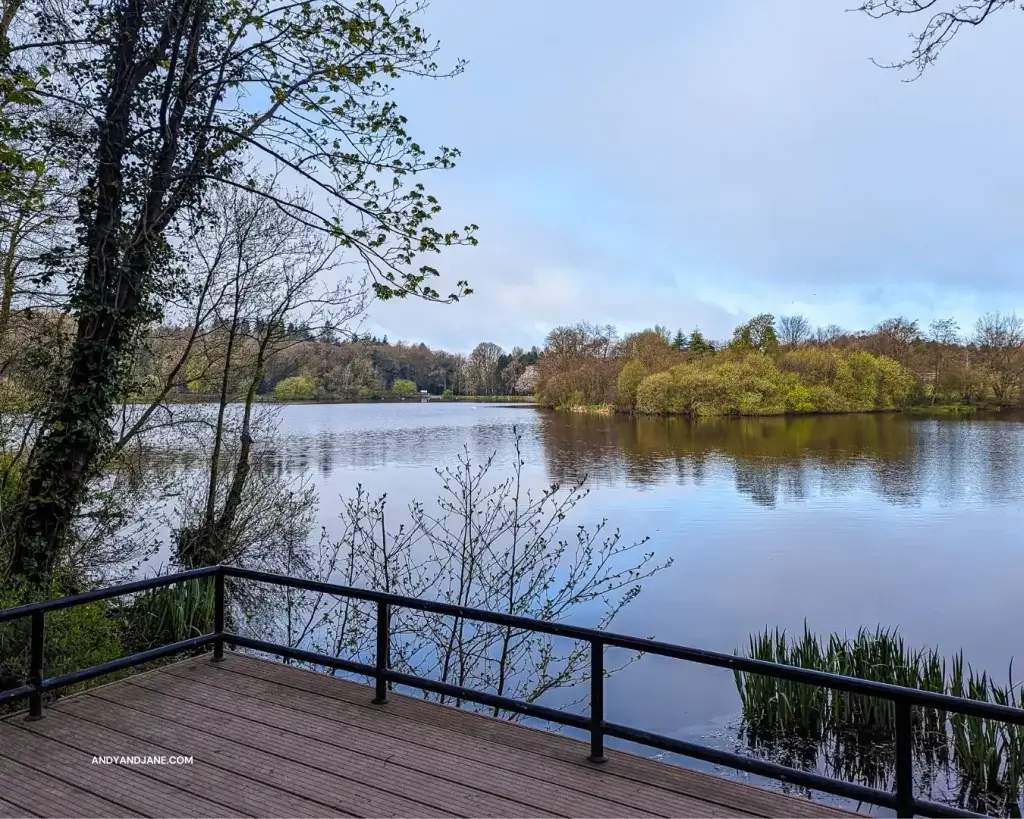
(842,521)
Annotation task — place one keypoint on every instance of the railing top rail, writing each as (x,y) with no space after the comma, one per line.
(106,593)
(839,682)
(895,693)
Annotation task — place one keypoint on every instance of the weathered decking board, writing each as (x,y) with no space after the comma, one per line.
(271,740)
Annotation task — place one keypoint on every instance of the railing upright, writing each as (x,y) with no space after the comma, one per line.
(36,659)
(218,614)
(904,760)
(383,659)
(597,702)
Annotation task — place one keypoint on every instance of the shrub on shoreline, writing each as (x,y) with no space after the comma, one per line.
(810,380)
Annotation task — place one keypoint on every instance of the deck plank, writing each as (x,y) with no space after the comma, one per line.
(244,795)
(639,771)
(537,781)
(270,739)
(132,789)
(348,782)
(27,788)
(8,810)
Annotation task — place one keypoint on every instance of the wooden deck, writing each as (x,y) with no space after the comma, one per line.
(271,740)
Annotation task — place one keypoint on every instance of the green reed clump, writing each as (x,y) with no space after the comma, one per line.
(158,617)
(771,704)
(812,711)
(858,730)
(989,755)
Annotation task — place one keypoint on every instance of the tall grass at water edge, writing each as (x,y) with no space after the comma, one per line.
(857,732)
(165,615)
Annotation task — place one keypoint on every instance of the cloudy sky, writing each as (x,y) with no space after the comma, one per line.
(694,162)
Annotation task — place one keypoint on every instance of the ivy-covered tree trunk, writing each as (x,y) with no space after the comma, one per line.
(107,302)
(64,455)
(165,97)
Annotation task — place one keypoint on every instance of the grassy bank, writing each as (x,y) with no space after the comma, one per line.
(500,399)
(589,409)
(948,410)
(928,410)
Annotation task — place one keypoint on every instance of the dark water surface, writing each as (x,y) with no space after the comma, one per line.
(842,521)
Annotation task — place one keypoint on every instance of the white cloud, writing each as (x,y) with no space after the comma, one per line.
(695,163)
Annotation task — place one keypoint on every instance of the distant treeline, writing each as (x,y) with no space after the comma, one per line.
(779,366)
(769,367)
(311,366)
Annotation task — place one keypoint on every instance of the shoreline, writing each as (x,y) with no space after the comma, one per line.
(923,411)
(268,399)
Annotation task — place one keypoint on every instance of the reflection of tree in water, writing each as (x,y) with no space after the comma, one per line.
(325,458)
(770,458)
(899,482)
(764,482)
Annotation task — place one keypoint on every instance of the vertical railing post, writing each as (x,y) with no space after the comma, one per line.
(383,651)
(218,614)
(35,699)
(597,702)
(904,761)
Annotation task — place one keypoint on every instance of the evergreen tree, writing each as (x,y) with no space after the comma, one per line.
(679,342)
(698,344)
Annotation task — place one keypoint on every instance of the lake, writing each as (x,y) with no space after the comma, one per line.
(842,521)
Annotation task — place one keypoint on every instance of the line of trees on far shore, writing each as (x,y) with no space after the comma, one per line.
(778,366)
(769,366)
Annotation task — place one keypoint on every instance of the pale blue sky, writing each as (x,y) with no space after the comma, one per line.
(693,162)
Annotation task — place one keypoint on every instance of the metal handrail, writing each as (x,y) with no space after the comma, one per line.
(903,698)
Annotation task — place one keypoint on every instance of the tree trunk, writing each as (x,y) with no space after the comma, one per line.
(60,463)
(108,301)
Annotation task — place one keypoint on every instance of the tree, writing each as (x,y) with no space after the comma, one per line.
(510,375)
(482,368)
(1000,340)
(174,94)
(488,543)
(793,330)
(296,388)
(199,377)
(578,365)
(404,387)
(679,340)
(581,339)
(527,382)
(268,271)
(698,344)
(650,348)
(829,334)
(940,27)
(630,378)
(944,335)
(895,337)
(757,334)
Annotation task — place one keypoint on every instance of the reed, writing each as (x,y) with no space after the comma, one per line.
(166,615)
(857,731)
(989,756)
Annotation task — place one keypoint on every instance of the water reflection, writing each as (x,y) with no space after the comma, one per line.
(771,462)
(783,460)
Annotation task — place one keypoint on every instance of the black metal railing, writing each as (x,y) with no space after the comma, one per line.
(903,699)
